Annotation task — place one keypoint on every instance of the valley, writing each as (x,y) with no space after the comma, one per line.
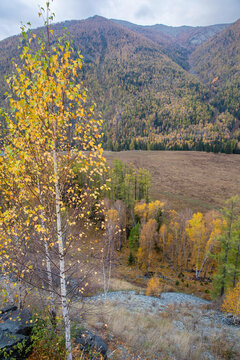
(184,179)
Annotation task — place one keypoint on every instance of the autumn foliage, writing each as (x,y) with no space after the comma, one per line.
(232,301)
(154,287)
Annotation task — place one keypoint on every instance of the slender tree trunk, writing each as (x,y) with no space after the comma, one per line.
(202,265)
(107,261)
(173,247)
(226,254)
(236,266)
(163,248)
(19,281)
(8,288)
(63,286)
(177,252)
(48,263)
(119,210)
(135,187)
(149,252)
(198,251)
(224,270)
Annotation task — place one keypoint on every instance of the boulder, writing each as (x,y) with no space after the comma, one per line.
(16,322)
(91,344)
(149,275)
(15,328)
(7,309)
(9,345)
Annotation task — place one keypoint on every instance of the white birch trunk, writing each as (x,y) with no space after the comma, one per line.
(105,259)
(48,263)
(198,252)
(202,265)
(204,262)
(63,286)
(8,288)
(19,281)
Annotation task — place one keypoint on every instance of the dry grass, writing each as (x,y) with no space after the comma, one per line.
(118,284)
(158,336)
(196,180)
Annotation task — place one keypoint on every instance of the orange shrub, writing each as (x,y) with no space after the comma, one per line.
(154,287)
(232,301)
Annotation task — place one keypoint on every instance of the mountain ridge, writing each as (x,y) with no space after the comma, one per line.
(147,100)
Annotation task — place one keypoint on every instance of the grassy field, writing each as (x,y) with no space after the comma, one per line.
(197,180)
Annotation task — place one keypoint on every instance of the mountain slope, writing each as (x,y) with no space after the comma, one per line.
(146,100)
(217,64)
(139,90)
(176,42)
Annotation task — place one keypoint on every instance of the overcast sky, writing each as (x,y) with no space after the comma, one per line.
(145,12)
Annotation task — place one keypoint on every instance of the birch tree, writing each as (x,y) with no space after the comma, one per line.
(197,234)
(50,130)
(148,239)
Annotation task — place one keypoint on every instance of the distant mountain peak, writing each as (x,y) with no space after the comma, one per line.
(97,18)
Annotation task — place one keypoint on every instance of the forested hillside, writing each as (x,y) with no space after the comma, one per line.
(146,99)
(176,42)
(217,64)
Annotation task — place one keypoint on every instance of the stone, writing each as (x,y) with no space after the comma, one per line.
(178,324)
(15,328)
(91,343)
(7,309)
(99,325)
(17,322)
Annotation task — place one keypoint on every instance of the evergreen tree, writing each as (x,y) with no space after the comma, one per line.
(134,237)
(226,241)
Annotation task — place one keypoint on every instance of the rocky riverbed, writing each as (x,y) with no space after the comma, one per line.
(188,327)
(138,301)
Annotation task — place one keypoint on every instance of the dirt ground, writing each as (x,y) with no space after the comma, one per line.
(197,180)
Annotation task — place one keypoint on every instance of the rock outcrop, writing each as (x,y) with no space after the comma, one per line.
(15,328)
(91,344)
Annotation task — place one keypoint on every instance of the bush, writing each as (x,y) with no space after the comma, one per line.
(47,340)
(154,287)
(232,301)
(181,275)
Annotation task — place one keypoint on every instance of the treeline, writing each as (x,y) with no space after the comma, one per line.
(222,136)
(227,147)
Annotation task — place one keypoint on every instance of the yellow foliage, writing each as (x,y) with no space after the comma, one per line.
(140,210)
(163,231)
(153,287)
(232,301)
(154,208)
(140,256)
(112,216)
(148,211)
